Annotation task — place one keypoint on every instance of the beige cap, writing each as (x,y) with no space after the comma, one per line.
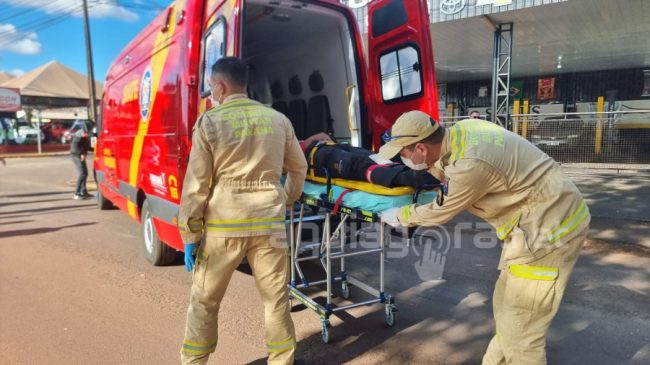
(411,127)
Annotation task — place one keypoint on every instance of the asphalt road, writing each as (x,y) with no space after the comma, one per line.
(75,289)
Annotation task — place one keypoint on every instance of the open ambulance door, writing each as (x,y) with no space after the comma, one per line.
(220,37)
(401,66)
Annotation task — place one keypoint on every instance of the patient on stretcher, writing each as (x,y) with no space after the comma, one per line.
(353,163)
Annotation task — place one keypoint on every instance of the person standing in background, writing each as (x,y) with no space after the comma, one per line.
(79,148)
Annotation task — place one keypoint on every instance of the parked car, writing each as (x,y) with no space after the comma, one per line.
(569,131)
(19,131)
(78,124)
(55,130)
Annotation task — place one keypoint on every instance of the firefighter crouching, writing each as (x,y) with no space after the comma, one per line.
(538,212)
(233,206)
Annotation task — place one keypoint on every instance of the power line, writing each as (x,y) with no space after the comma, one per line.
(31,22)
(39,24)
(49,22)
(21,12)
(34,23)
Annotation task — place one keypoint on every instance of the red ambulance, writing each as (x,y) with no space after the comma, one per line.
(306,59)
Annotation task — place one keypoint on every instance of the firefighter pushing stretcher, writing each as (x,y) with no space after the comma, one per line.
(538,212)
(233,205)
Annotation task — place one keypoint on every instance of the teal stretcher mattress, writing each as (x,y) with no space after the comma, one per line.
(366,201)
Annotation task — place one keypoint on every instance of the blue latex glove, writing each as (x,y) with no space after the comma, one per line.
(190,255)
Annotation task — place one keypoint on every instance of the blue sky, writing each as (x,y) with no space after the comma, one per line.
(34,32)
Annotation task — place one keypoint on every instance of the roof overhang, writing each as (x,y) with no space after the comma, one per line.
(588,35)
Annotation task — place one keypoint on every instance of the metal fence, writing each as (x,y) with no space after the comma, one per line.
(609,138)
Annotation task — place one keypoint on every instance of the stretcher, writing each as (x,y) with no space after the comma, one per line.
(330,203)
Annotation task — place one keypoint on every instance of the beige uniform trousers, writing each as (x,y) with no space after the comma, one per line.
(217,259)
(526,298)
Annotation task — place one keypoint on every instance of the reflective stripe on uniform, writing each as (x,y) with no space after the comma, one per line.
(406,213)
(505,229)
(281,346)
(202,256)
(191,227)
(196,348)
(570,224)
(458,136)
(241,106)
(253,224)
(238,102)
(534,272)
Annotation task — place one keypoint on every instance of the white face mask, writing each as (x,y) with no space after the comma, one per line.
(417,167)
(412,166)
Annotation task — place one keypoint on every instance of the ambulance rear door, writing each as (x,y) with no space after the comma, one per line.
(220,37)
(401,66)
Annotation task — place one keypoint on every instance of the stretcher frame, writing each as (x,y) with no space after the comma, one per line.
(327,253)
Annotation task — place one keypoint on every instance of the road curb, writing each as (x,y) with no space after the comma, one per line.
(32,155)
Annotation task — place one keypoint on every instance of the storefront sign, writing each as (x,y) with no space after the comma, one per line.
(9,100)
(451,7)
(546,89)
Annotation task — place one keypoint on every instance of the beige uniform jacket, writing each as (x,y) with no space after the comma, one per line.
(232,185)
(505,180)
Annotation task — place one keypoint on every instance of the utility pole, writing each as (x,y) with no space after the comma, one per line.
(91,72)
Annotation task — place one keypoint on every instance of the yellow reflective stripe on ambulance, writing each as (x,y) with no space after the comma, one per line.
(281,346)
(570,224)
(505,229)
(534,272)
(157,65)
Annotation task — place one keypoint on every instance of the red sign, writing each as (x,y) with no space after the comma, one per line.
(9,100)
(546,89)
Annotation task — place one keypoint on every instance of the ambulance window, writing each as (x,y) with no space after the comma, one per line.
(215,47)
(388,17)
(400,73)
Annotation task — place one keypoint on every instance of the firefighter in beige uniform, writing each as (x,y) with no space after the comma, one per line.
(537,211)
(234,204)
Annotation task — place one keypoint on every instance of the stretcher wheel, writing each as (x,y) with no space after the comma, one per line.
(389,315)
(345,290)
(325,331)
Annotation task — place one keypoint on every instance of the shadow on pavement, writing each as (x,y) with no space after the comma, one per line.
(16,222)
(34,194)
(47,209)
(34,231)
(3,205)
